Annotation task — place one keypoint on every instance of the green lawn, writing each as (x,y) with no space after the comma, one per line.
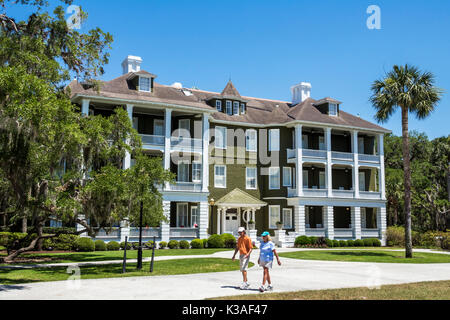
(384,256)
(68,257)
(168,267)
(438,290)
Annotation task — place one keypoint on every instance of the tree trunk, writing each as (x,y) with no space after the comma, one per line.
(40,228)
(24,225)
(407,173)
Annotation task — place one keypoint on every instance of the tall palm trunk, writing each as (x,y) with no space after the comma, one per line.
(407,172)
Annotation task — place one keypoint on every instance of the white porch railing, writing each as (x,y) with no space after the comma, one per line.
(369,158)
(186,144)
(114,233)
(343,233)
(320,154)
(319,232)
(186,186)
(291,154)
(152,140)
(370,233)
(146,232)
(369,195)
(315,192)
(348,194)
(292,193)
(342,156)
(183,232)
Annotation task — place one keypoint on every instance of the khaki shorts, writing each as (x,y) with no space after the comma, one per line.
(244,262)
(266,264)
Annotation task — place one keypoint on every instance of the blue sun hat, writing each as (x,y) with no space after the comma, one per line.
(265,234)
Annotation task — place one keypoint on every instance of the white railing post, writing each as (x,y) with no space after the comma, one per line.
(356,222)
(205,161)
(382,223)
(167,142)
(299,160)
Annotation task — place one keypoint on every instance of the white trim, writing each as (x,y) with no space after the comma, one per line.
(247,177)
(247,132)
(187,212)
(201,171)
(279,177)
(225,176)
(219,105)
(217,129)
(229,103)
(290,226)
(238,108)
(149,84)
(279,216)
(276,147)
(290,177)
(198,215)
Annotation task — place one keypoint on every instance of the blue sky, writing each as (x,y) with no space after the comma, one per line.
(268,46)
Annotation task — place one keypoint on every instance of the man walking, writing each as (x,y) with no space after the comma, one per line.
(244,246)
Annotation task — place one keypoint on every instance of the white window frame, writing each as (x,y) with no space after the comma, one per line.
(149,84)
(236,108)
(289,220)
(278,218)
(197,169)
(219,105)
(276,175)
(182,164)
(219,129)
(287,183)
(195,215)
(247,178)
(333,109)
(178,214)
(274,140)
(216,185)
(243,111)
(247,139)
(229,108)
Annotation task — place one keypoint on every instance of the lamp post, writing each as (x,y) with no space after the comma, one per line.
(211,202)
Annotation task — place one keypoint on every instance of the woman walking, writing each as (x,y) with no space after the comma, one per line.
(267,251)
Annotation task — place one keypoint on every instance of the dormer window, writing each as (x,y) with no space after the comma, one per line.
(242,108)
(219,105)
(333,109)
(229,108)
(144,84)
(236,108)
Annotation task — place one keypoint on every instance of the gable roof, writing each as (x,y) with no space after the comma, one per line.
(237,197)
(230,90)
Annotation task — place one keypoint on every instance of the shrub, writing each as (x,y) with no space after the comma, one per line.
(336,244)
(368,242)
(395,236)
(84,245)
(205,243)
(100,245)
(229,240)
(329,243)
(162,245)
(122,245)
(313,241)
(342,243)
(376,242)
(445,243)
(113,246)
(359,243)
(350,243)
(63,242)
(134,245)
(148,244)
(197,244)
(302,241)
(173,244)
(184,244)
(14,240)
(216,241)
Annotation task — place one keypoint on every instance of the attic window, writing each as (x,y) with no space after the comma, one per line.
(333,110)
(144,84)
(219,105)
(236,108)
(187,93)
(242,108)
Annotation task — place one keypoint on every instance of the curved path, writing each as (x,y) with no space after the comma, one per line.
(293,275)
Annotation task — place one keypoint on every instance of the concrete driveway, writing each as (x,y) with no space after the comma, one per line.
(293,275)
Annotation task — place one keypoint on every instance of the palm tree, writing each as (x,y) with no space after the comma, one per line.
(413,91)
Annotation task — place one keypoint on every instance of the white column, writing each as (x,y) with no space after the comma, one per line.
(355,170)
(165,226)
(205,161)
(300,220)
(329,168)
(356,222)
(382,183)
(299,159)
(219,210)
(85,107)
(382,223)
(124,230)
(204,220)
(329,221)
(127,160)
(224,212)
(254,215)
(168,133)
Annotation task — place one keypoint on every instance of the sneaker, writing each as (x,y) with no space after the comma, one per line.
(245,286)
(262,289)
(269,288)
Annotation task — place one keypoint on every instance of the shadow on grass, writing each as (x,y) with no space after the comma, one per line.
(361,254)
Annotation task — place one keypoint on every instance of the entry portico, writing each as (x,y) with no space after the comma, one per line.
(235,208)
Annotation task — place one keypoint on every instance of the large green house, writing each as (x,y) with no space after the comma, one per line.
(300,167)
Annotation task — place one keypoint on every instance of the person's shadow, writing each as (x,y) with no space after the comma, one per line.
(238,288)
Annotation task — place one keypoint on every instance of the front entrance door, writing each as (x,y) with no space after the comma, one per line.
(231,221)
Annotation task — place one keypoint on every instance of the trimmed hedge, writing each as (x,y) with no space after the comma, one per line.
(301,241)
(162,245)
(359,243)
(184,244)
(197,244)
(329,243)
(63,242)
(229,240)
(100,245)
(350,243)
(173,244)
(342,243)
(368,242)
(216,241)
(149,244)
(336,243)
(113,246)
(84,245)
(122,245)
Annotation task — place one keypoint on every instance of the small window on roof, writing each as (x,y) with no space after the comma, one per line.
(219,105)
(236,108)
(242,108)
(144,84)
(333,109)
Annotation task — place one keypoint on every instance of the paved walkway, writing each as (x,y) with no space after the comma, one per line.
(293,275)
